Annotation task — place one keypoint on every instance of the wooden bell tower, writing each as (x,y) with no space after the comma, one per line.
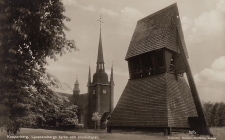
(157,97)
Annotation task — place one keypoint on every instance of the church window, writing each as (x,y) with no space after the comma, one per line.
(100,66)
(93,91)
(104,91)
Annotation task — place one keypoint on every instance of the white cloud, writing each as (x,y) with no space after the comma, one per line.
(74,3)
(214,76)
(219,64)
(57,68)
(89,7)
(131,15)
(220,5)
(108,12)
(76,61)
(186,23)
(209,24)
(211,81)
(69,2)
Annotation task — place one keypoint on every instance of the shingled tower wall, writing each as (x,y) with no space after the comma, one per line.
(157,95)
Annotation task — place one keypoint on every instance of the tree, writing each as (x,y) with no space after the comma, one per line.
(30,32)
(58,110)
(206,107)
(55,106)
(219,114)
(211,115)
(96,117)
(67,116)
(215,114)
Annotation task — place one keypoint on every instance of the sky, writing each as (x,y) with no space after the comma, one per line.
(203,24)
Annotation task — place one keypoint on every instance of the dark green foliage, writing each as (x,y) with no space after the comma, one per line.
(215,114)
(30,31)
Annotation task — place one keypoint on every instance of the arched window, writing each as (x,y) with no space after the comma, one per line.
(104,90)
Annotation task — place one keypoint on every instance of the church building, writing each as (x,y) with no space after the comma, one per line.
(99,96)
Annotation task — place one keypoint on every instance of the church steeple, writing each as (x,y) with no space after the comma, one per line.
(111,77)
(111,90)
(100,59)
(89,77)
(100,89)
(76,89)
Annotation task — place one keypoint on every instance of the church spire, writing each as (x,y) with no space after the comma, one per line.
(89,76)
(76,86)
(111,77)
(100,51)
(100,61)
(76,89)
(76,83)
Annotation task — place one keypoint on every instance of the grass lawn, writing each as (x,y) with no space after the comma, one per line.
(219,134)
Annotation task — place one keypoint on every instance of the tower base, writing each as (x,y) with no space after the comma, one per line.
(157,101)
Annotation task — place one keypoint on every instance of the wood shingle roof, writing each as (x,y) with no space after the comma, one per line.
(155,101)
(157,31)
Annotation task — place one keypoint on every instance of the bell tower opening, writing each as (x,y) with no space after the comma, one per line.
(147,64)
